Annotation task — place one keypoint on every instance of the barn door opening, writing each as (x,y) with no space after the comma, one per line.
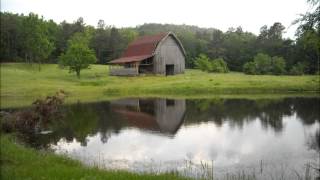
(169,69)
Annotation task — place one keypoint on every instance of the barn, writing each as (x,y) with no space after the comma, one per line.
(163,115)
(153,54)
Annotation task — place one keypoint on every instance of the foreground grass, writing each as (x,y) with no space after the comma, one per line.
(21,84)
(19,162)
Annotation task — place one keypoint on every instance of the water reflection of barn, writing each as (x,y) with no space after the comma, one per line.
(164,115)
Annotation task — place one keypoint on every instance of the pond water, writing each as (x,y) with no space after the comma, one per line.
(221,138)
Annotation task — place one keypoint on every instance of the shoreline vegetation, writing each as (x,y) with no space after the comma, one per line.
(22,83)
(21,162)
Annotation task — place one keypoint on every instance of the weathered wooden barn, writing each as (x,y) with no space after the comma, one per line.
(163,115)
(153,54)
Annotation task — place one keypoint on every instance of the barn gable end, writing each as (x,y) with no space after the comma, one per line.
(168,53)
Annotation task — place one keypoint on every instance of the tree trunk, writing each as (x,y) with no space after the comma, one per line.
(39,66)
(78,73)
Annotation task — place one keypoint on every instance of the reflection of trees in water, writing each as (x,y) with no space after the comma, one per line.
(313,141)
(239,111)
(83,120)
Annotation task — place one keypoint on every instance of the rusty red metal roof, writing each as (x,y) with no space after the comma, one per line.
(130,59)
(140,49)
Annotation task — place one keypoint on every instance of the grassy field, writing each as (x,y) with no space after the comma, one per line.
(21,84)
(19,162)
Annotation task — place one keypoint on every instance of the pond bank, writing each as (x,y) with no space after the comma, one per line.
(20,162)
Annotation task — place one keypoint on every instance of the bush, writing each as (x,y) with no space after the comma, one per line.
(203,63)
(278,65)
(263,63)
(32,119)
(298,69)
(250,68)
(219,65)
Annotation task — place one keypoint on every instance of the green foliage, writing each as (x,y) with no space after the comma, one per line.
(37,44)
(298,69)
(250,68)
(218,65)
(263,63)
(308,41)
(78,56)
(278,65)
(202,62)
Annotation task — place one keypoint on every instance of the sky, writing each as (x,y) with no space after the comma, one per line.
(251,15)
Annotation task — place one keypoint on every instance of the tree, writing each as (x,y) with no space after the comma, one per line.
(202,62)
(205,64)
(219,65)
(263,63)
(308,34)
(100,42)
(10,41)
(37,45)
(298,69)
(66,31)
(250,68)
(278,65)
(78,56)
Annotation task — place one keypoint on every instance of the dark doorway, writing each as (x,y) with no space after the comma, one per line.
(169,69)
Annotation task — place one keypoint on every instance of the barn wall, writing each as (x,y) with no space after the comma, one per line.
(168,52)
(169,117)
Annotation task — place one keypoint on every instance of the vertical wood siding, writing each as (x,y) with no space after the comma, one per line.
(168,52)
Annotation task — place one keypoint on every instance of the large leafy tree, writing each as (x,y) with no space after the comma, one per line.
(78,55)
(308,33)
(37,44)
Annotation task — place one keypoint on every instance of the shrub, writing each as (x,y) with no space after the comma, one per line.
(202,62)
(298,69)
(263,63)
(278,65)
(33,119)
(250,68)
(219,65)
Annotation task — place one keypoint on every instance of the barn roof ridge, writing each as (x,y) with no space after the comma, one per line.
(144,47)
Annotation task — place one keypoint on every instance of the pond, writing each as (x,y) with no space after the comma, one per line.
(221,138)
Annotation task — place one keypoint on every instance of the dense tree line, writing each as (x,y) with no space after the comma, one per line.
(23,35)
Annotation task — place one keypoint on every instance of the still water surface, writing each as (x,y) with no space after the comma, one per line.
(198,138)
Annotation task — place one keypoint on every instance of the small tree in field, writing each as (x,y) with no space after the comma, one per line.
(78,55)
(202,62)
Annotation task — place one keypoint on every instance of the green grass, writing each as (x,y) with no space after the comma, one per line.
(20,162)
(21,84)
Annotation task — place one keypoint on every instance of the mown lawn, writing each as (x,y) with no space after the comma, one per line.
(21,84)
(21,163)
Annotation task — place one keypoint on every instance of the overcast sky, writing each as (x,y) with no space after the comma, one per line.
(221,14)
